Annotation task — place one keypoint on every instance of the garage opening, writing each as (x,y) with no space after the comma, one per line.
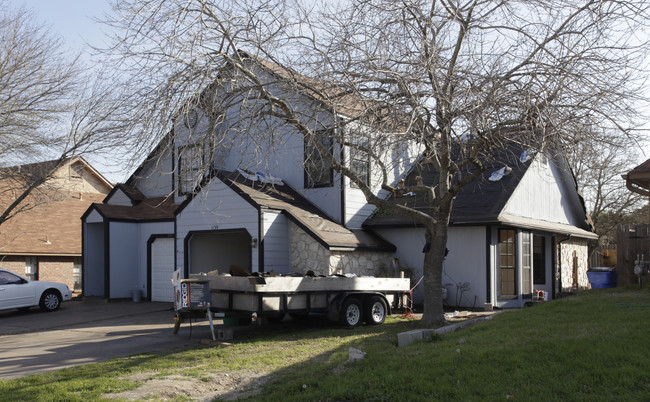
(219,250)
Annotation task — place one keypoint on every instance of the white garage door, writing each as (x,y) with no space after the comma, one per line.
(162,267)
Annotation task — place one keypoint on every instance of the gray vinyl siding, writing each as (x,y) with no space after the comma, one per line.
(217,207)
(276,243)
(123,259)
(154,179)
(119,198)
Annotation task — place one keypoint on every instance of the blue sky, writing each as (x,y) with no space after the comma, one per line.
(70,19)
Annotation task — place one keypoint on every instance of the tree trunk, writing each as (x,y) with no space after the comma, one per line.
(432,269)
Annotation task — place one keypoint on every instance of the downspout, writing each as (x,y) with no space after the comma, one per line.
(559,262)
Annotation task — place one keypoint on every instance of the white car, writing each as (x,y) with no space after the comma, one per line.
(19,292)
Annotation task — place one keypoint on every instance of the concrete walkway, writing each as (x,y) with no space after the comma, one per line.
(34,342)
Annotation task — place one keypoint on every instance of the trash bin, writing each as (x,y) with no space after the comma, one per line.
(602,277)
(136,295)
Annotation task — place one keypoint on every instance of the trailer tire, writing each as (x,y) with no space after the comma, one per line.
(351,313)
(375,310)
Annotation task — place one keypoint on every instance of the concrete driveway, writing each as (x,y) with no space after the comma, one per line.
(33,342)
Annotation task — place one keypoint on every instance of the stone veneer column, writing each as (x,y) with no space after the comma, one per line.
(308,254)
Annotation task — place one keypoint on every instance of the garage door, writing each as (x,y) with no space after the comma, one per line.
(162,267)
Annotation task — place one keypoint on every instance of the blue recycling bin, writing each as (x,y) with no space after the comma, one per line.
(602,277)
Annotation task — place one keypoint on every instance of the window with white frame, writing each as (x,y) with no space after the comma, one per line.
(360,158)
(526,264)
(31,268)
(76,274)
(507,264)
(76,171)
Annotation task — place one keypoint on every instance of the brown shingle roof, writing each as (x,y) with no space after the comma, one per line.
(48,221)
(638,179)
(48,229)
(304,213)
(332,94)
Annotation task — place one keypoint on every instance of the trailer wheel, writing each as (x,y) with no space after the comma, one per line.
(375,310)
(351,313)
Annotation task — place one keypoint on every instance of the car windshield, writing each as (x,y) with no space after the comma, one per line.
(7,278)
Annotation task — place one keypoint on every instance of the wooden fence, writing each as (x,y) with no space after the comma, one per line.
(633,241)
(603,256)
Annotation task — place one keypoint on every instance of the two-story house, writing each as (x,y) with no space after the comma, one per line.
(269,202)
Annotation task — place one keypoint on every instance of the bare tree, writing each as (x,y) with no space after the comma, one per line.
(460,79)
(50,108)
(598,166)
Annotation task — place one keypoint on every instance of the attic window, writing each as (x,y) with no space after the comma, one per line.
(190,168)
(191,118)
(76,170)
(318,170)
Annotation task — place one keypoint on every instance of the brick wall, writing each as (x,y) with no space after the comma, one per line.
(56,269)
(15,264)
(53,269)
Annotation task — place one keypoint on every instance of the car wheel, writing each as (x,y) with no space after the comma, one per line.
(50,300)
(351,313)
(375,310)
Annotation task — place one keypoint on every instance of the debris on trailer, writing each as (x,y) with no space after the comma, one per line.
(349,299)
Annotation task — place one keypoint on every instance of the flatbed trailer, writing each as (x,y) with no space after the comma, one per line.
(349,300)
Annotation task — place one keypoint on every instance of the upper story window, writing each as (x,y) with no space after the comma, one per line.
(76,171)
(191,163)
(318,169)
(360,158)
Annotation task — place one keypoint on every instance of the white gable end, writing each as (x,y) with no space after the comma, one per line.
(94,217)
(545,194)
(119,198)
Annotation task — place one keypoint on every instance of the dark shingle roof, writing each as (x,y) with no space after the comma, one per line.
(481,201)
(148,209)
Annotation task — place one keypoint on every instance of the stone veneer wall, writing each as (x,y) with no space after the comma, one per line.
(581,249)
(359,262)
(308,254)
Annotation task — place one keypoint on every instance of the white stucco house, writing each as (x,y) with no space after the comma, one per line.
(301,215)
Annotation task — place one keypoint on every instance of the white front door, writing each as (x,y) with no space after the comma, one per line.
(162,267)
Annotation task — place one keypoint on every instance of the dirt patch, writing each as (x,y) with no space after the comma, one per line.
(227,386)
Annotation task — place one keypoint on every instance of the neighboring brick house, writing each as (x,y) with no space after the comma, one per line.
(43,241)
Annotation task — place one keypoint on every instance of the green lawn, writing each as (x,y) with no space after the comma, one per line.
(593,346)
